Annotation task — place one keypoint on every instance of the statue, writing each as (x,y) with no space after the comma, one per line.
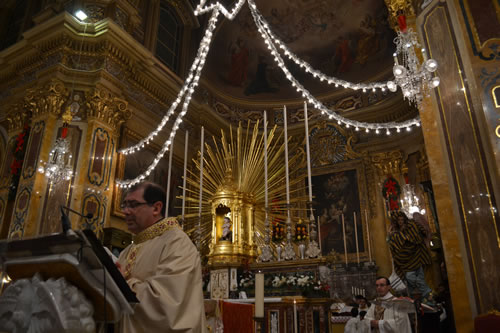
(227,234)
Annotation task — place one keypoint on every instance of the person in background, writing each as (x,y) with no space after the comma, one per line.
(162,266)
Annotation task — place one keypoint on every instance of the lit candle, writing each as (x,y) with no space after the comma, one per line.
(169,173)
(396,60)
(201,185)
(345,244)
(368,237)
(356,237)
(295,316)
(184,176)
(259,295)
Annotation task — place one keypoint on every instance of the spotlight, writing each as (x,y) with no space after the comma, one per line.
(81,15)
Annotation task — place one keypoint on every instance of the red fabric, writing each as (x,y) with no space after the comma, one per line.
(487,323)
(402,23)
(238,317)
(64,132)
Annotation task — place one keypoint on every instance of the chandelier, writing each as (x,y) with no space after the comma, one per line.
(410,202)
(59,165)
(415,78)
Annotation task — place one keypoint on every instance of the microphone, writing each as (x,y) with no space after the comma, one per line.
(65,222)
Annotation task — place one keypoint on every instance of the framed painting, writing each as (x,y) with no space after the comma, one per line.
(132,165)
(338,196)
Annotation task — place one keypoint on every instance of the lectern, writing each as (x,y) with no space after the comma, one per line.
(58,281)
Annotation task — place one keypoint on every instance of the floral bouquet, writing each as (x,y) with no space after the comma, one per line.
(300,232)
(278,231)
(247,280)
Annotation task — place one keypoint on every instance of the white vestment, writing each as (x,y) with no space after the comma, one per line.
(395,319)
(355,325)
(163,268)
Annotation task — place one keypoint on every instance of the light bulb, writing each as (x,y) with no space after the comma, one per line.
(431,65)
(392,86)
(399,71)
(435,81)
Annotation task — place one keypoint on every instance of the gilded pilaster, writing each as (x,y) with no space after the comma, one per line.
(105,114)
(44,104)
(386,163)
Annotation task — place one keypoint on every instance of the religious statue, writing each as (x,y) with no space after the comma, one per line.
(227,234)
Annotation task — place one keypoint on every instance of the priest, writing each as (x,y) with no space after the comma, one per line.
(162,267)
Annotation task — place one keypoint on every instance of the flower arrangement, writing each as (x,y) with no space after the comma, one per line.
(18,151)
(278,231)
(391,191)
(300,232)
(247,280)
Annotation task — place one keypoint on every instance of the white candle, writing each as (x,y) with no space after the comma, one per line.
(308,154)
(356,236)
(368,237)
(184,176)
(201,184)
(265,161)
(295,316)
(345,244)
(169,173)
(319,235)
(286,157)
(396,60)
(259,295)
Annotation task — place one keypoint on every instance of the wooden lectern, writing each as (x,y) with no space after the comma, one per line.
(55,264)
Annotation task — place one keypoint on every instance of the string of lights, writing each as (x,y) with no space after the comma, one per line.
(194,78)
(312,100)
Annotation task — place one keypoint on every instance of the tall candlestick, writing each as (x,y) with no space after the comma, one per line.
(259,295)
(306,121)
(368,237)
(319,235)
(265,161)
(201,185)
(184,176)
(356,237)
(286,159)
(295,327)
(168,176)
(345,244)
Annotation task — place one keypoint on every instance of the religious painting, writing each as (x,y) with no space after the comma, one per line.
(337,206)
(133,165)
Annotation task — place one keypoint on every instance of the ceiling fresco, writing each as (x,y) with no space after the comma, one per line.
(347,39)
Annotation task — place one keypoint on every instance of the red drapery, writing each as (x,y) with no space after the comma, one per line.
(238,317)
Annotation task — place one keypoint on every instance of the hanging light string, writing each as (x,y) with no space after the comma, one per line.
(312,100)
(188,90)
(200,9)
(308,68)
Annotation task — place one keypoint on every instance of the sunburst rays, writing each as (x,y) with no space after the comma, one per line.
(240,153)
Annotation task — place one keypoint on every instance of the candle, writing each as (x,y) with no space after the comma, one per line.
(396,60)
(259,295)
(201,185)
(308,154)
(265,161)
(345,244)
(286,159)
(184,176)
(295,316)
(319,235)
(368,237)
(169,173)
(356,237)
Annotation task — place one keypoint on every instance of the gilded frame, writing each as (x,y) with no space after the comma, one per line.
(329,206)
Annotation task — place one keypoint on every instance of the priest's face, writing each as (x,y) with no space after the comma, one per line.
(139,214)
(382,287)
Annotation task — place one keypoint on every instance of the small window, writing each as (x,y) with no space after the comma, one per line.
(169,37)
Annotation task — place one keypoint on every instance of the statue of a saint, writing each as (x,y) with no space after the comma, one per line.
(227,234)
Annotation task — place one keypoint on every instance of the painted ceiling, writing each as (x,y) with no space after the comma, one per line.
(350,40)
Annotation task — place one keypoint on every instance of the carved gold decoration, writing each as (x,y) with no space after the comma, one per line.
(16,117)
(233,186)
(397,7)
(388,163)
(47,99)
(101,105)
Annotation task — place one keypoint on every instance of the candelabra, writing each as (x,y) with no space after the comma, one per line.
(409,202)
(59,166)
(415,78)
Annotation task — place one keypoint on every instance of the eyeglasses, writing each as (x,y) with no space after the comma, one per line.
(132,204)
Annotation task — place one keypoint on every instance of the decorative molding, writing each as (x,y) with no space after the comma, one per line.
(16,117)
(102,106)
(47,99)
(388,163)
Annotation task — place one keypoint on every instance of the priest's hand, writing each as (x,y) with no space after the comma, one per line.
(374,323)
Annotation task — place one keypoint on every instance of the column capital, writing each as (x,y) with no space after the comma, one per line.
(104,107)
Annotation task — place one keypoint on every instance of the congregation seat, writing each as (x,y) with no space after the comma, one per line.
(487,323)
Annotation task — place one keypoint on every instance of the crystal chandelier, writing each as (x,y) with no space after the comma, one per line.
(409,202)
(59,166)
(415,79)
